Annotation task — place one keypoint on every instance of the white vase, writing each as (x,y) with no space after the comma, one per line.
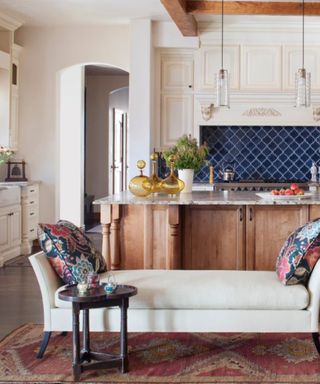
(186,175)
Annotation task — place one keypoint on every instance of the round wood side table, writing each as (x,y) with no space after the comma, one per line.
(97,298)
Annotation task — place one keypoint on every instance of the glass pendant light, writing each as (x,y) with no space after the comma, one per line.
(302,77)
(222,77)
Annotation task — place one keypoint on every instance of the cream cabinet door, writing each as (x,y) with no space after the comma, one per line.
(208,64)
(10,232)
(176,117)
(176,72)
(176,95)
(15,228)
(4,232)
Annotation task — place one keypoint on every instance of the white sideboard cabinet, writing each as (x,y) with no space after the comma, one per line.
(19,218)
(30,216)
(10,224)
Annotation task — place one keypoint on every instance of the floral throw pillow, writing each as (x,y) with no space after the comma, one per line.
(70,253)
(299,254)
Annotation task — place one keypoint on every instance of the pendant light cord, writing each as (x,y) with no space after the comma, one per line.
(302,33)
(222,14)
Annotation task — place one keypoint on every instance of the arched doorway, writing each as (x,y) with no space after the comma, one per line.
(83,137)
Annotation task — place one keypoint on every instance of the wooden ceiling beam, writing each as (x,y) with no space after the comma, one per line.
(186,23)
(285,8)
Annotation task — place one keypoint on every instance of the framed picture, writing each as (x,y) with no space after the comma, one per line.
(16,171)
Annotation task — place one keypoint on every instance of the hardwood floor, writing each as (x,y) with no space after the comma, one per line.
(20,299)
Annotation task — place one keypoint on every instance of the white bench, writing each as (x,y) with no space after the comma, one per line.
(192,301)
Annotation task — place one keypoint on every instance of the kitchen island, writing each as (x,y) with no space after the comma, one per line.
(200,230)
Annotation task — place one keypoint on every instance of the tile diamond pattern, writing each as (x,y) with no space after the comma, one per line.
(281,153)
(258,152)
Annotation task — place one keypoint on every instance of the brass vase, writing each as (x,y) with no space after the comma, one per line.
(136,183)
(172,185)
(153,183)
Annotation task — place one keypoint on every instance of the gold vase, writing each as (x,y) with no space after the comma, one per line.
(172,185)
(153,183)
(136,183)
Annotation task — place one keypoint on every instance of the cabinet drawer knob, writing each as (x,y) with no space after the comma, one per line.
(31,213)
(31,202)
(31,230)
(31,190)
(241,214)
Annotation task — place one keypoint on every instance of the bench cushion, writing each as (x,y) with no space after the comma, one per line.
(185,289)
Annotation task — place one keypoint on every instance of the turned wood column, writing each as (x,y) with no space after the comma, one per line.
(115,237)
(174,244)
(105,219)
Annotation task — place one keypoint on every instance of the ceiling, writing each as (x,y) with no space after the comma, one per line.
(86,12)
(82,12)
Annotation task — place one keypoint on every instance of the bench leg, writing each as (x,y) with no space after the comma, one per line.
(44,343)
(316,340)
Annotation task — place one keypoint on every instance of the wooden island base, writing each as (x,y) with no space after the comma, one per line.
(230,236)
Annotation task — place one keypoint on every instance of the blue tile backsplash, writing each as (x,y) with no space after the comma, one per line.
(260,152)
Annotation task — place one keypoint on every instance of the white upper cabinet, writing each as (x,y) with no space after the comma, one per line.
(209,63)
(4,98)
(256,67)
(175,96)
(176,117)
(292,60)
(176,72)
(261,67)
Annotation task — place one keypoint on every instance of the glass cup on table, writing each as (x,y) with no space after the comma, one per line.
(111,284)
(82,285)
(93,280)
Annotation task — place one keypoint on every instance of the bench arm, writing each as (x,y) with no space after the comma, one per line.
(48,282)
(314,292)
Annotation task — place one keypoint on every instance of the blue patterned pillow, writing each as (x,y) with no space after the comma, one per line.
(299,254)
(69,251)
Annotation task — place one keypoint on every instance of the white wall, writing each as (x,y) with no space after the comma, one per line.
(71,108)
(47,51)
(98,89)
(140,94)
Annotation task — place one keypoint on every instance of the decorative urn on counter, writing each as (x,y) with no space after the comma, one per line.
(136,183)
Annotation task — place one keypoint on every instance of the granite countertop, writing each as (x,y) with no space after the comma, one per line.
(205,198)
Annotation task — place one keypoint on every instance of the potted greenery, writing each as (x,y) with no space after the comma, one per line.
(5,154)
(189,157)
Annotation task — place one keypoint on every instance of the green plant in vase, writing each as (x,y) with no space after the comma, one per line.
(189,157)
(5,154)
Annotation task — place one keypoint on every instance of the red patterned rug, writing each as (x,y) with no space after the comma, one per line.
(167,358)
